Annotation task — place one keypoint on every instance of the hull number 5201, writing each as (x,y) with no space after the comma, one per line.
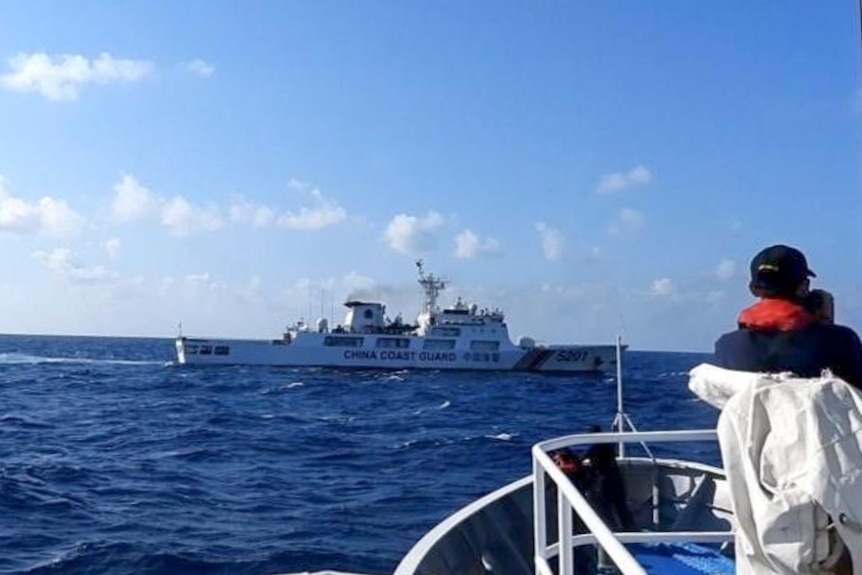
(571,355)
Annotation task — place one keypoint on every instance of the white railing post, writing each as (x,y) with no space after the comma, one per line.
(620,413)
(540,537)
(564,513)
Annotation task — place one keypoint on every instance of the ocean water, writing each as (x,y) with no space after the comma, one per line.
(114,460)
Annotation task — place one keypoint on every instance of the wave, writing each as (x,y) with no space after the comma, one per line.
(446,403)
(23,358)
(502,436)
(19,421)
(671,374)
(443,441)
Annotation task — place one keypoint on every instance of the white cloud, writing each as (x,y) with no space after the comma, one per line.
(245,212)
(325,213)
(201,68)
(196,285)
(617,181)
(62,77)
(299,185)
(468,245)
(112,246)
(553,241)
(354,281)
(57,218)
(184,218)
(628,221)
(725,270)
(203,280)
(46,215)
(412,235)
(132,200)
(64,263)
(662,287)
(312,218)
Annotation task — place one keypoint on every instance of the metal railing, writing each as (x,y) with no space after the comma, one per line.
(570,499)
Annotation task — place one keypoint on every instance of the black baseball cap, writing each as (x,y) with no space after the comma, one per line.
(779,270)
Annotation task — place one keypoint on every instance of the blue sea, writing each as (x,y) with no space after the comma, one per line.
(114,460)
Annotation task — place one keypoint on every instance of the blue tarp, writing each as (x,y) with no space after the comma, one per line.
(681,559)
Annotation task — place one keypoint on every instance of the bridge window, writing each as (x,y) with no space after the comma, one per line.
(481,345)
(393,342)
(222,350)
(446,331)
(206,350)
(342,341)
(438,344)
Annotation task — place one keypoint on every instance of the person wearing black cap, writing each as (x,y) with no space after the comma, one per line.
(779,333)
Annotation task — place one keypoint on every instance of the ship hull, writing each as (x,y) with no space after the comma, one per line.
(552,359)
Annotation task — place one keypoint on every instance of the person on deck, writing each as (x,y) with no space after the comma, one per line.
(606,490)
(779,334)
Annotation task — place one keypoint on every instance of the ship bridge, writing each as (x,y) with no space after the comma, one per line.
(462,314)
(365,317)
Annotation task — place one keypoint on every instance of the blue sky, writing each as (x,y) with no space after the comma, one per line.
(592,168)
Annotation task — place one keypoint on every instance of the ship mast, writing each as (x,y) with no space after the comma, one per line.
(431,286)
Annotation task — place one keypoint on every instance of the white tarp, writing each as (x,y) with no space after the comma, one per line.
(792,451)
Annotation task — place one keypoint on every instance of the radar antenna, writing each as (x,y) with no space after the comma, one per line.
(431,286)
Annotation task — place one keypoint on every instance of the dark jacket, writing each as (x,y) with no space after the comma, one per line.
(778,335)
(605,488)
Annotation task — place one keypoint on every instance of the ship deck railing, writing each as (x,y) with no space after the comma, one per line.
(571,501)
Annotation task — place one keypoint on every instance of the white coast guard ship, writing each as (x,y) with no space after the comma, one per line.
(458,337)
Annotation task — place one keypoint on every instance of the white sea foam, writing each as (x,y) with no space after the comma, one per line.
(440,407)
(22,358)
(503,436)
